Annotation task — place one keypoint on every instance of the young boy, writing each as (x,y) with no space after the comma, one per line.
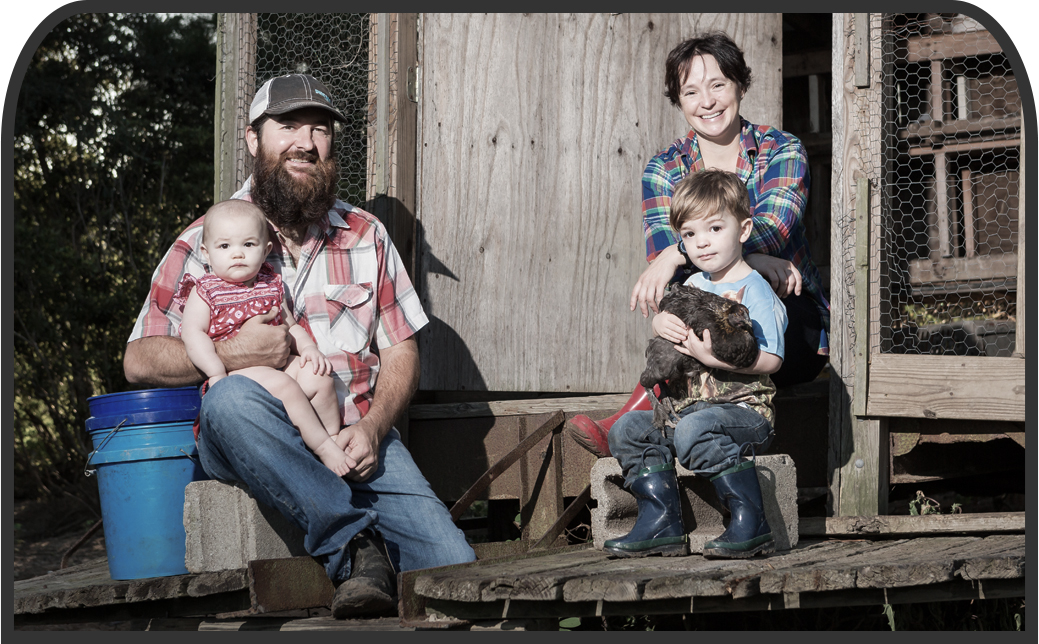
(726,413)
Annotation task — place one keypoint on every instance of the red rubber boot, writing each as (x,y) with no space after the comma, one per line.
(591,434)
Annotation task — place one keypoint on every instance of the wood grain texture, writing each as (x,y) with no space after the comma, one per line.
(969,387)
(535,130)
(842,270)
(589,577)
(986,522)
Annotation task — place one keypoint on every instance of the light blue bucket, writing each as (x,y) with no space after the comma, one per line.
(144,455)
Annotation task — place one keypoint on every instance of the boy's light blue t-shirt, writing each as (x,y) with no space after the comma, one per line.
(767,311)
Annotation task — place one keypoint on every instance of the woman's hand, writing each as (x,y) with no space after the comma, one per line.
(780,273)
(670,327)
(653,282)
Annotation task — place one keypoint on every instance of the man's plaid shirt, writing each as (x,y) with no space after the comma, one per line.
(774,166)
(349,289)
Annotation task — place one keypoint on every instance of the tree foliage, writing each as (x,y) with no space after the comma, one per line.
(113,156)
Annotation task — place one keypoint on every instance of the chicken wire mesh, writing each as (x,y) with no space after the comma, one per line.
(337,49)
(949,161)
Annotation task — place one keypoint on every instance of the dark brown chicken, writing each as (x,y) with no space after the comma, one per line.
(732,338)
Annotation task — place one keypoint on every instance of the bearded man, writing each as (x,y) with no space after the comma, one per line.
(345,283)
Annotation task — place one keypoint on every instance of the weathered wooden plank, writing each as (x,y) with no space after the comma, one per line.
(949,591)
(89,585)
(951,269)
(491,408)
(977,387)
(941,46)
(841,573)
(467,584)
(845,163)
(911,525)
(535,130)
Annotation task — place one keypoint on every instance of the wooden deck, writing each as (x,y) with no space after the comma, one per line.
(537,587)
(584,582)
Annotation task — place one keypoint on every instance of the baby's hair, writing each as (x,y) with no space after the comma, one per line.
(701,194)
(235,207)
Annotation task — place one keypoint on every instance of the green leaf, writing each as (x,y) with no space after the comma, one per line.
(890,612)
(569,623)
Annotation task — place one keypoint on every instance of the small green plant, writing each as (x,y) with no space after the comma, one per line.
(922,505)
(569,623)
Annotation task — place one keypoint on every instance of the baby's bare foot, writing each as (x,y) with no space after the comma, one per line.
(334,457)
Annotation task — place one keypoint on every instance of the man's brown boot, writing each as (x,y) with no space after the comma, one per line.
(371,590)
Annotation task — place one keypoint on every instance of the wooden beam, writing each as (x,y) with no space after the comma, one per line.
(495,408)
(862,291)
(942,46)
(931,524)
(962,269)
(971,387)
(862,50)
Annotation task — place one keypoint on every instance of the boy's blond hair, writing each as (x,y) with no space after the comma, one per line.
(701,194)
(236,207)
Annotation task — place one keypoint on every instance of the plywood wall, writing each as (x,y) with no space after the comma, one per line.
(534,131)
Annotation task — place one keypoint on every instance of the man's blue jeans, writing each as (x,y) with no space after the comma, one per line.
(707,438)
(246,436)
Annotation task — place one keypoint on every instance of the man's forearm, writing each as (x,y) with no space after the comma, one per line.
(395,386)
(160,361)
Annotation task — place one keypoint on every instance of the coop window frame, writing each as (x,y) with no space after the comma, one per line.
(930,386)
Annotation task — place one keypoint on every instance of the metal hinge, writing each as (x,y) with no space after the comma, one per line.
(414,78)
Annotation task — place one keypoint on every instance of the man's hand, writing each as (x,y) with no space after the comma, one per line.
(780,273)
(652,284)
(258,344)
(361,444)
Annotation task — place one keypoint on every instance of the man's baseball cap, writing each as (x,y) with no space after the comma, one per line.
(290,92)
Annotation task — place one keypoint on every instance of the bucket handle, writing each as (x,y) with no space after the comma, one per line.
(86,466)
(191,456)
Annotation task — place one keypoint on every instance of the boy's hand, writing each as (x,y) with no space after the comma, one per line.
(320,365)
(701,350)
(670,327)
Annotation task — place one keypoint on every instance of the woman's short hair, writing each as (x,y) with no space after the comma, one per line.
(703,193)
(717,44)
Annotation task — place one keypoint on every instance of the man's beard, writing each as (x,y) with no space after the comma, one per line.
(294,202)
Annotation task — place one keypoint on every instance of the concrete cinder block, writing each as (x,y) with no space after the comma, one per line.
(616,509)
(226,528)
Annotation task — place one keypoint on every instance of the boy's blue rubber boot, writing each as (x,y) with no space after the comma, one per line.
(748,533)
(658,528)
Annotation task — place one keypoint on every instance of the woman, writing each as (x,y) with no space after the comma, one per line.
(706,78)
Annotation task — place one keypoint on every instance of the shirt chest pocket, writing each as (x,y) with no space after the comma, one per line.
(351,315)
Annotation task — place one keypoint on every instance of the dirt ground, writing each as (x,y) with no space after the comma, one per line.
(44,532)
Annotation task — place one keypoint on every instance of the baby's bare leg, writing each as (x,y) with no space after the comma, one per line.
(287,390)
(321,391)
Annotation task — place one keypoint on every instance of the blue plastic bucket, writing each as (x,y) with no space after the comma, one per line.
(144,455)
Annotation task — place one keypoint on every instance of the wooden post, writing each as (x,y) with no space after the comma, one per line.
(856,450)
(235,86)
(393,129)
(1020,334)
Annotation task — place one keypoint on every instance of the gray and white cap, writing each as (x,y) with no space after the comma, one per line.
(290,92)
